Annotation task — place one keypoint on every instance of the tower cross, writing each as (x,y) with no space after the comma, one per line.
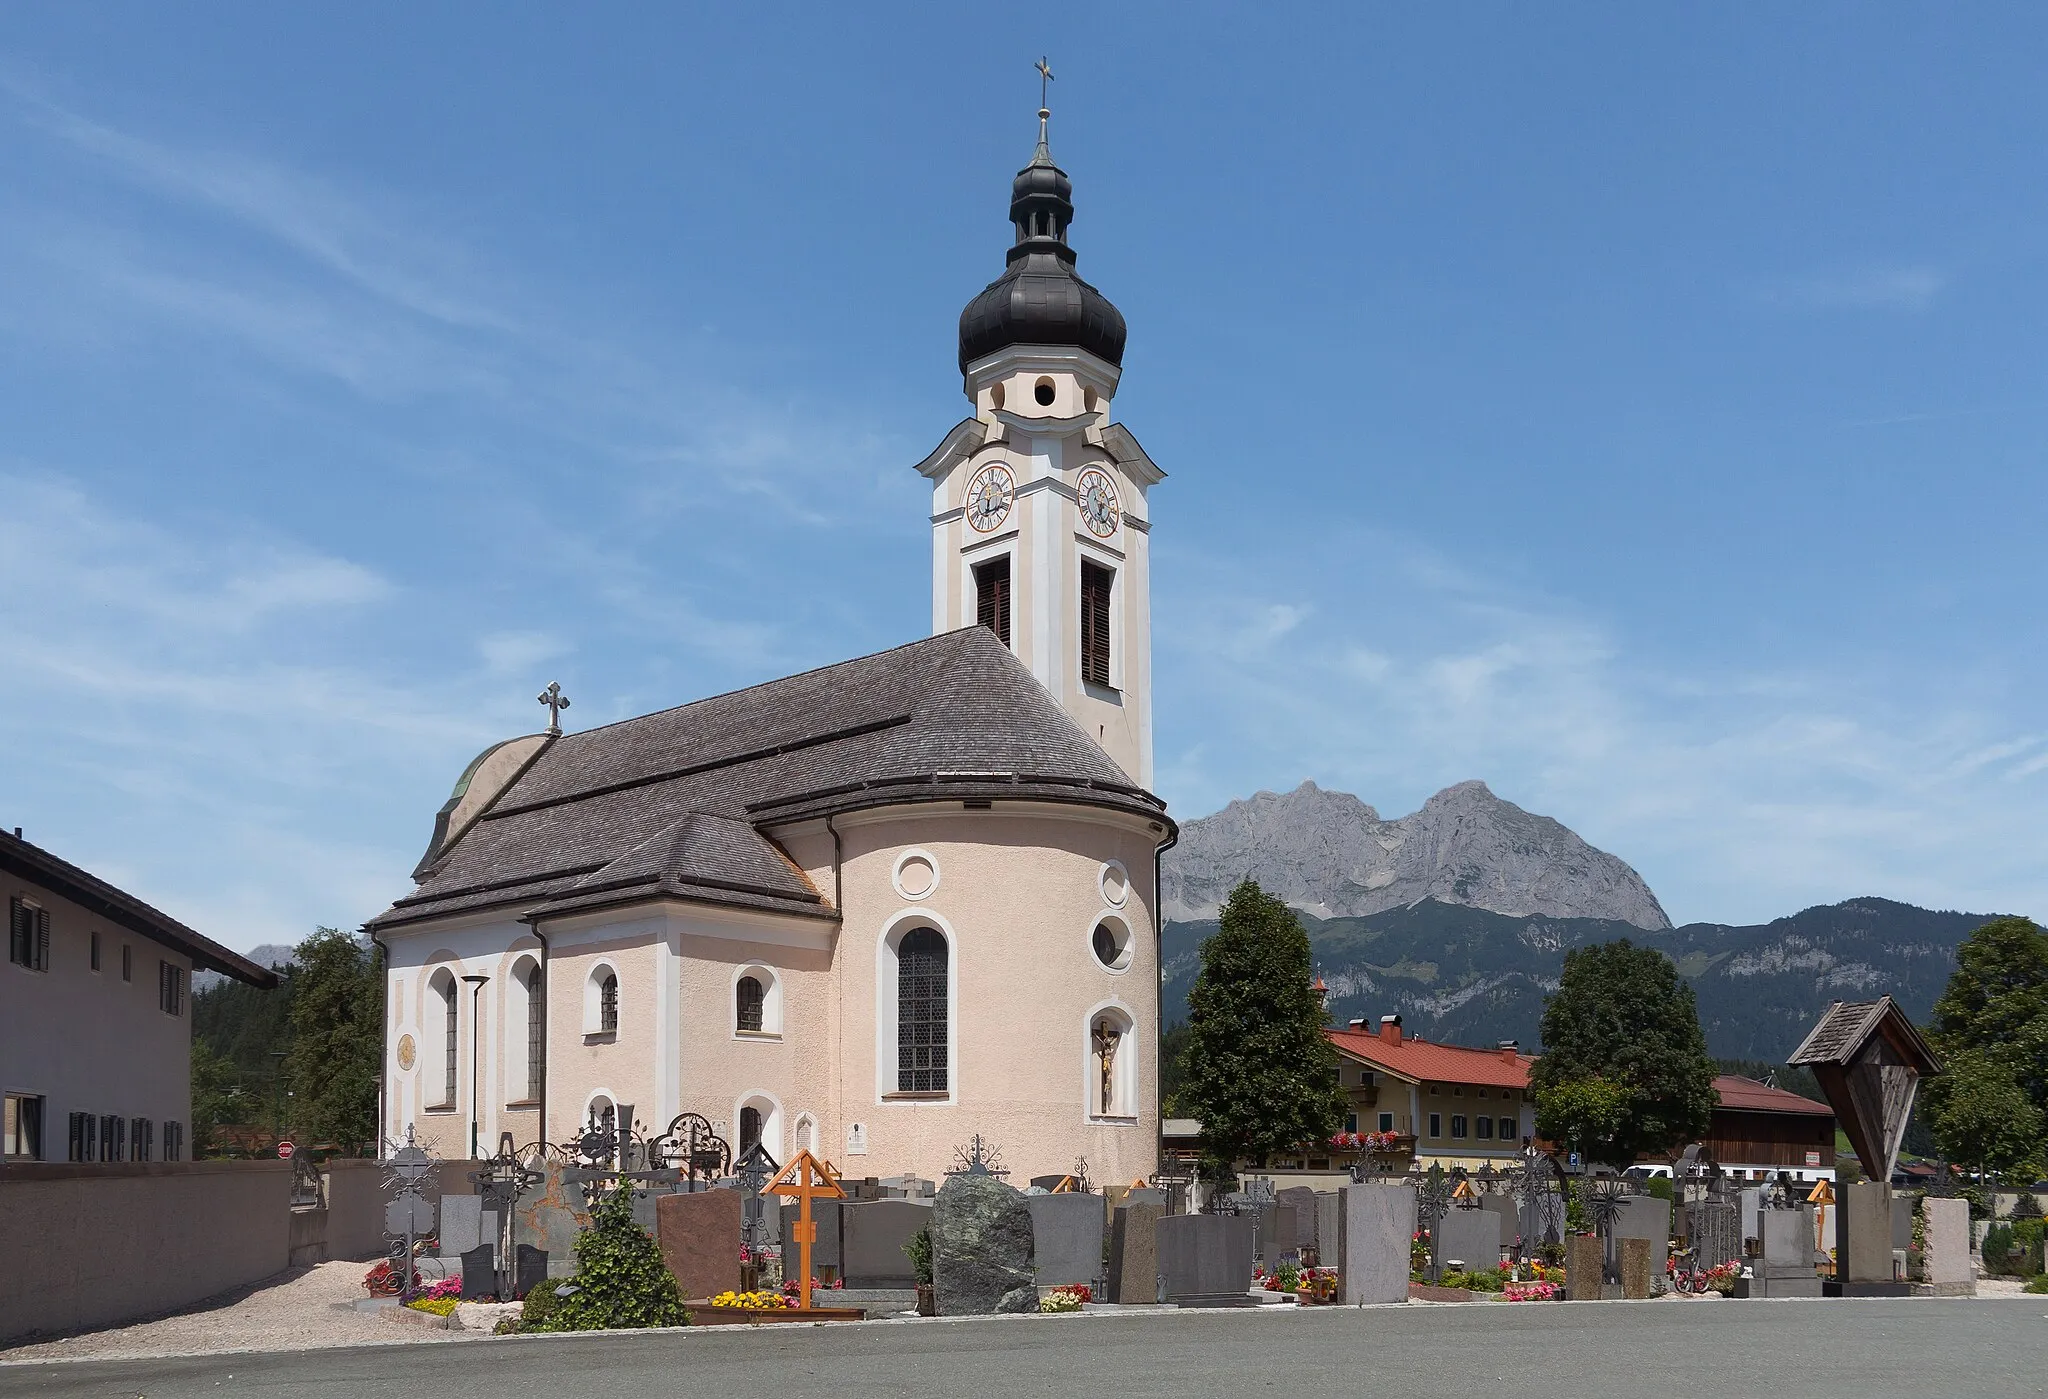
(1044,77)
(556,702)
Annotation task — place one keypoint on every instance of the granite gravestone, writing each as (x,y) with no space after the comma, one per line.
(1134,1253)
(825,1254)
(1282,1234)
(1329,1231)
(1583,1268)
(1375,1226)
(1510,1218)
(1066,1238)
(549,1216)
(1642,1217)
(1785,1266)
(982,1248)
(1302,1201)
(1946,1257)
(1206,1259)
(480,1274)
(1635,1268)
(1469,1237)
(872,1234)
(529,1269)
(1863,1229)
(462,1227)
(699,1234)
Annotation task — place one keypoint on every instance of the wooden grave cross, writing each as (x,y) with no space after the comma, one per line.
(805,1179)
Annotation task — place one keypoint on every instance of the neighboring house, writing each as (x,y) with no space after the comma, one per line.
(95,1015)
(1446,1103)
(1759,1131)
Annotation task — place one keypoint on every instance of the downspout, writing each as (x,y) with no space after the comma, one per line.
(547,992)
(839,959)
(383,1033)
(1159,995)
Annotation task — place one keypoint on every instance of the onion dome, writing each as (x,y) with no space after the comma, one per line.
(1038,300)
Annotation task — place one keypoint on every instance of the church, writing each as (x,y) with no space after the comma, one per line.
(871,910)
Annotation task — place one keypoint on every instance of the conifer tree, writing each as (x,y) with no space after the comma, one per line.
(337,1019)
(1260,1073)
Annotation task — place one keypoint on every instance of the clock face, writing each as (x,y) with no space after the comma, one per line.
(988,497)
(1099,508)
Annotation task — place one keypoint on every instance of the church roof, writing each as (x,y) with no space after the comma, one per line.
(678,803)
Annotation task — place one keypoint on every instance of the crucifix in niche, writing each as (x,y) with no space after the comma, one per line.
(1107,1040)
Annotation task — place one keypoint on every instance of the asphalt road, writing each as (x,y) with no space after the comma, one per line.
(1745,1350)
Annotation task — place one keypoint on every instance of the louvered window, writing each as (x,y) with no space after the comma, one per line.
(1096,583)
(536,1037)
(449,1047)
(921,1012)
(28,935)
(113,1138)
(142,1136)
(992,597)
(751,1001)
(84,1137)
(174,1141)
(170,988)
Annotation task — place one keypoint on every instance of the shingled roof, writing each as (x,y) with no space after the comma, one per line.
(676,803)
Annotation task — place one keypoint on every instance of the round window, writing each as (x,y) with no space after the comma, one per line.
(1112,946)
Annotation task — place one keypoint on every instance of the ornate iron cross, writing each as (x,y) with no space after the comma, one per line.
(556,702)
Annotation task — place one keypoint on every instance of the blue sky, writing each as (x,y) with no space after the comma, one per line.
(1638,408)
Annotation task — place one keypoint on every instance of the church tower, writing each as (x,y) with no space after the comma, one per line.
(1040,516)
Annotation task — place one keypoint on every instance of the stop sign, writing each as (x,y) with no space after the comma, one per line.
(284,1151)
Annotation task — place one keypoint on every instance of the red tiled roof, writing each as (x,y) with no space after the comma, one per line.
(1747,1095)
(1440,1063)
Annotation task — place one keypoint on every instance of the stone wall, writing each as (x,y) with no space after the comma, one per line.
(99,1245)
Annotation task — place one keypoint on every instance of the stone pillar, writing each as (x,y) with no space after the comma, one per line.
(1863,1233)
(1947,1256)
(1635,1269)
(1582,1267)
(1376,1224)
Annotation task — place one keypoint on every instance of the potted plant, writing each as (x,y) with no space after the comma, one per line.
(919,1247)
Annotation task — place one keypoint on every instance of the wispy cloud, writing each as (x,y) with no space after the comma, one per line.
(1893,287)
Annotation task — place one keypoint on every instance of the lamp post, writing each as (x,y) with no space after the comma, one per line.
(476,988)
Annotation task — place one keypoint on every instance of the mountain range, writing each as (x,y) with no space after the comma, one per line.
(1457,918)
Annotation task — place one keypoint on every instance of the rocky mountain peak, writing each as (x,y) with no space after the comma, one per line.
(1334,856)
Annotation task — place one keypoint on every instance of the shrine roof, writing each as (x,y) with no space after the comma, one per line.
(683,803)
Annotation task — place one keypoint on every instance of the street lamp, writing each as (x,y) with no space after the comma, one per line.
(476,988)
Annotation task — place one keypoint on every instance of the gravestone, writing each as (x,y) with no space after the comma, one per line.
(1510,1217)
(1146,1196)
(699,1234)
(1785,1267)
(825,1251)
(1281,1234)
(1206,1259)
(480,1273)
(1642,1217)
(1302,1201)
(982,1248)
(1583,1268)
(1713,1231)
(1329,1231)
(1863,1234)
(1470,1236)
(1066,1239)
(461,1224)
(1134,1252)
(1046,1183)
(1751,1204)
(1375,1226)
(1947,1254)
(549,1216)
(529,1269)
(872,1234)
(1635,1268)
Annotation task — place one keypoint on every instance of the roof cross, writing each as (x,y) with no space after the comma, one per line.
(556,702)
(1044,112)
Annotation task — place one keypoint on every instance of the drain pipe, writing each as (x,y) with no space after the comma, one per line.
(1159,993)
(547,992)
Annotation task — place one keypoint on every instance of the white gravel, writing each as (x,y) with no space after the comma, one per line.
(301,1309)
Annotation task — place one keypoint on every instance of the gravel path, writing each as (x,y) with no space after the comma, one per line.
(304,1308)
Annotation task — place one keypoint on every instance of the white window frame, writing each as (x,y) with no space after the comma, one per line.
(892,934)
(593,1000)
(1125,1086)
(771,1004)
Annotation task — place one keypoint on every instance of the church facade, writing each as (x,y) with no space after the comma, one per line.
(870,910)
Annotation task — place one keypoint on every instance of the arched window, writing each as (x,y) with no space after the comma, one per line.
(750,999)
(608,1004)
(444,986)
(536,1035)
(750,1126)
(921,977)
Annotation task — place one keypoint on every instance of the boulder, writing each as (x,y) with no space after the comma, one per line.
(982,1258)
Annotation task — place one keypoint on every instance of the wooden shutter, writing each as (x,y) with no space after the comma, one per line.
(1096,582)
(42,962)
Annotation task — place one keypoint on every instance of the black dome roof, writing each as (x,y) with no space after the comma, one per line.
(1038,300)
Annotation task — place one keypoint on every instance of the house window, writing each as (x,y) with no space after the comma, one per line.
(992,597)
(127,962)
(1509,1129)
(1436,1124)
(1351,1122)
(93,943)
(21,1129)
(174,1141)
(28,935)
(536,1037)
(170,988)
(113,1138)
(921,1029)
(750,999)
(1386,1122)
(1482,1128)
(608,1004)
(1457,1126)
(85,1144)
(1096,582)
